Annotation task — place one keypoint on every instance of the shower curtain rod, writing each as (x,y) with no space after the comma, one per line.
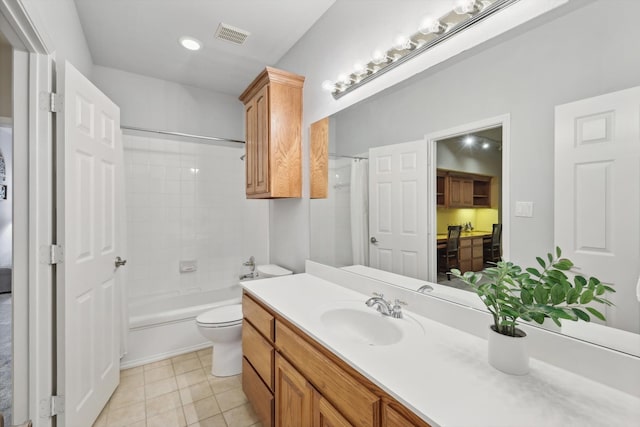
(348,157)
(188,135)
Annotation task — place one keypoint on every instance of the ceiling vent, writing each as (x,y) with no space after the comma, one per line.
(231,34)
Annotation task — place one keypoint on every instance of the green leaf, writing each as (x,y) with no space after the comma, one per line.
(586,297)
(608,288)
(572,296)
(540,294)
(600,289)
(538,317)
(558,252)
(581,314)
(563,264)
(541,262)
(557,294)
(550,257)
(596,313)
(534,272)
(526,296)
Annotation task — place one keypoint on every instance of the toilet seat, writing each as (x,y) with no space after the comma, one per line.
(221,317)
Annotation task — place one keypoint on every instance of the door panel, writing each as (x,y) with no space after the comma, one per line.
(398,208)
(597,194)
(89,159)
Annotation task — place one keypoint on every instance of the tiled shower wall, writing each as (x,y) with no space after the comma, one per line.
(186,201)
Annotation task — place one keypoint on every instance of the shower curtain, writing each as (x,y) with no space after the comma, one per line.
(360,211)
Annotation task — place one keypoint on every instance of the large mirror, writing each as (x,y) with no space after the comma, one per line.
(504,96)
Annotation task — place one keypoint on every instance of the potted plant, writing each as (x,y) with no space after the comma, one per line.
(512,294)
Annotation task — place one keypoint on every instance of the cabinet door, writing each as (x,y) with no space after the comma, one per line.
(466,255)
(261,166)
(393,418)
(460,192)
(250,119)
(325,415)
(477,253)
(294,396)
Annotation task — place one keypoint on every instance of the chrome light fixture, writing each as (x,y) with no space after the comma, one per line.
(431,32)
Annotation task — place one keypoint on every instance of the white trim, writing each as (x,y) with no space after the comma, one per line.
(431,139)
(163,356)
(17,23)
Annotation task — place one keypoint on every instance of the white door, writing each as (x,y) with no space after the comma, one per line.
(597,194)
(89,162)
(398,208)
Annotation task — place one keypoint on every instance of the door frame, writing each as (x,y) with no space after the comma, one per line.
(33,216)
(431,139)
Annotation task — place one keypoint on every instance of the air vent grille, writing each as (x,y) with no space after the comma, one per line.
(231,34)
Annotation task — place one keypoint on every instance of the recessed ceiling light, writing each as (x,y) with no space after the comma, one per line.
(485,145)
(469,140)
(190,43)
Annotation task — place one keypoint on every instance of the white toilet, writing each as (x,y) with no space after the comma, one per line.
(223,327)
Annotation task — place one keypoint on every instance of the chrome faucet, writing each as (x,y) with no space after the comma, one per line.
(383,306)
(251,263)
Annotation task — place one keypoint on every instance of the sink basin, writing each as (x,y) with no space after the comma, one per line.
(352,321)
(367,327)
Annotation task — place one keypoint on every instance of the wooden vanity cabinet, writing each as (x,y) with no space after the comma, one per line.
(471,254)
(273,132)
(310,385)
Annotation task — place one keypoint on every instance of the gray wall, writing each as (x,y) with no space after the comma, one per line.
(6,73)
(6,211)
(588,51)
(59,25)
(151,103)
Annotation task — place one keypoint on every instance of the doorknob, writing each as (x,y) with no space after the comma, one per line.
(120,262)
(374,240)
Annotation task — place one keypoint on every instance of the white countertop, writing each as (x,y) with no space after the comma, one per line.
(443,376)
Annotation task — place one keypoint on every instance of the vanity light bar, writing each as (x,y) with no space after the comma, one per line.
(465,14)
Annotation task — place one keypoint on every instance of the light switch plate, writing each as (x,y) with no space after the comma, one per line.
(524,209)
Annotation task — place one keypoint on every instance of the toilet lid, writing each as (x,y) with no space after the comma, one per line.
(226,315)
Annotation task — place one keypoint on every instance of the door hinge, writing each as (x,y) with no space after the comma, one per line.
(52,254)
(51,102)
(52,406)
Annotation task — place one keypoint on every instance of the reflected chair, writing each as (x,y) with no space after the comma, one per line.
(492,246)
(449,252)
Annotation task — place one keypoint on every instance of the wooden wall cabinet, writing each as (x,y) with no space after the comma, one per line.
(273,131)
(319,159)
(456,189)
(311,386)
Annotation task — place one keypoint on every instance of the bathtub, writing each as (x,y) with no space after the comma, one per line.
(165,326)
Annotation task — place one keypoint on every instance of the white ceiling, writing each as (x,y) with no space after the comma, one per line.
(141,36)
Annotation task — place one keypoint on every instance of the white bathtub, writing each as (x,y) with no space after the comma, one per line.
(165,326)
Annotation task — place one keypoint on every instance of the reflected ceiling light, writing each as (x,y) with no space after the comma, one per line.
(190,43)
(485,145)
(469,140)
(430,32)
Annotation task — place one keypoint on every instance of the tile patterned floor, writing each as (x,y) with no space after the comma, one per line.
(178,392)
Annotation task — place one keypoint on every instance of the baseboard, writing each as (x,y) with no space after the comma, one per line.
(156,357)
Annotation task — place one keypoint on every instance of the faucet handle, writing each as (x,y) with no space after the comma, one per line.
(378,294)
(399,302)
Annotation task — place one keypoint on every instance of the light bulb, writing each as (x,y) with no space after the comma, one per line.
(485,145)
(359,68)
(378,56)
(469,140)
(468,6)
(190,43)
(328,86)
(401,42)
(430,25)
(344,79)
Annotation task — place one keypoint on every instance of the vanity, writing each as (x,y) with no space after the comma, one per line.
(316,355)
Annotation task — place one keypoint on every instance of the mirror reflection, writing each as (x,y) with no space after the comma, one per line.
(510,184)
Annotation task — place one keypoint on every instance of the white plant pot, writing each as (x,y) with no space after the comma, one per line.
(509,354)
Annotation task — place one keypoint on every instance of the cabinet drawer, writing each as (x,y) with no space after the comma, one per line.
(352,399)
(258,394)
(260,318)
(259,352)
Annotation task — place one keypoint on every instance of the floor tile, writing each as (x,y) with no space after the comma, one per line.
(125,396)
(163,403)
(195,392)
(171,418)
(126,415)
(200,410)
(133,380)
(157,364)
(216,421)
(184,357)
(220,384)
(131,371)
(161,387)
(186,366)
(157,374)
(231,399)
(205,352)
(242,416)
(190,378)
